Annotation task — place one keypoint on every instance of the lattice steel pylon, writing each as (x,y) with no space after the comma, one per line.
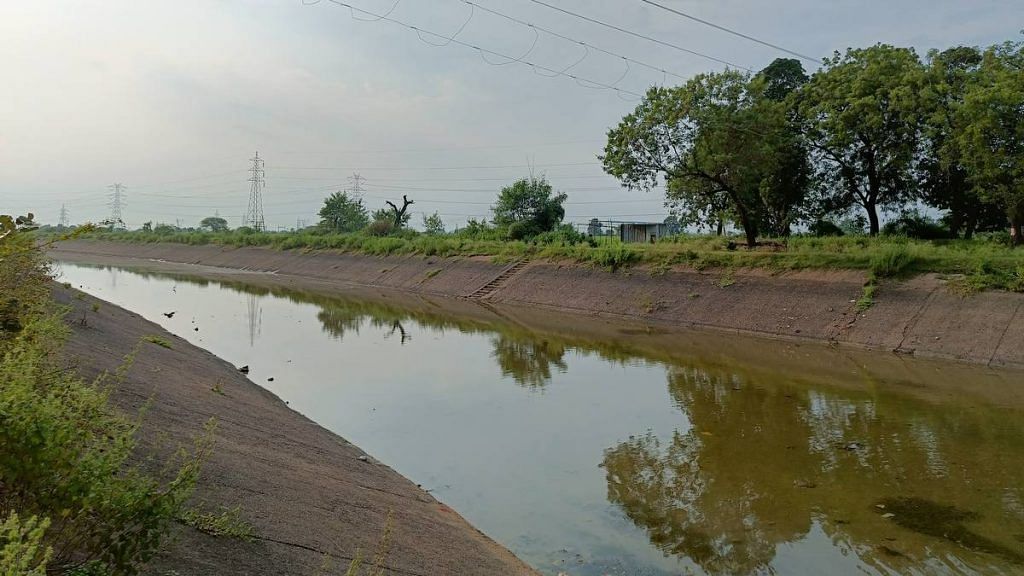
(117,202)
(63,221)
(254,214)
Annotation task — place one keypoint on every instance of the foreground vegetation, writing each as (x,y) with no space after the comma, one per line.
(71,499)
(984,262)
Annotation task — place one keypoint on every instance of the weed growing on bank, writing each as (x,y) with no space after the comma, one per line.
(228,524)
(161,342)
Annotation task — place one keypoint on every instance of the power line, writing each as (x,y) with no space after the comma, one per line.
(638,35)
(733,32)
(63,221)
(428,168)
(579,80)
(573,40)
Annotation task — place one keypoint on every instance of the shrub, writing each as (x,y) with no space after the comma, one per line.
(66,453)
(825,228)
(564,234)
(914,225)
(22,551)
(380,228)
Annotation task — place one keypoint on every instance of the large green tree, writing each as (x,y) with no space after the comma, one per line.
(862,113)
(715,142)
(343,213)
(992,140)
(528,207)
(784,192)
(943,176)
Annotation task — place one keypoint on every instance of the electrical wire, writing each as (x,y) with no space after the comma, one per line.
(483,51)
(638,35)
(586,45)
(733,32)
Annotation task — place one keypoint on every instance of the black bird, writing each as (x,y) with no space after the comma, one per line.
(244,369)
(170,314)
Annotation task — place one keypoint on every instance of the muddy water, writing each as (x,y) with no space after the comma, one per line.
(597,455)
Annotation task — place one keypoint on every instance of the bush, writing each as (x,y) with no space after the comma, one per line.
(825,228)
(564,234)
(380,228)
(521,230)
(22,551)
(916,225)
(65,456)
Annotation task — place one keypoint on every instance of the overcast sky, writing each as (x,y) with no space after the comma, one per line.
(172,98)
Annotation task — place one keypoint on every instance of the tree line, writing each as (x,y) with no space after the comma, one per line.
(875,130)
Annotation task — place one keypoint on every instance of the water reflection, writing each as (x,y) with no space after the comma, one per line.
(737,466)
(528,362)
(762,465)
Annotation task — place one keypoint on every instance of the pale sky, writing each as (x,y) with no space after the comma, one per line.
(172,98)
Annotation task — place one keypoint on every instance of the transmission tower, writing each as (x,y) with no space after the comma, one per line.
(117,202)
(356,181)
(63,222)
(254,215)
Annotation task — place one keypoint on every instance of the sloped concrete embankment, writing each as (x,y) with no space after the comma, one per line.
(312,498)
(919,316)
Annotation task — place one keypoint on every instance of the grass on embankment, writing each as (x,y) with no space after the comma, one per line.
(983,263)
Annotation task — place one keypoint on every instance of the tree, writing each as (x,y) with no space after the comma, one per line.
(784,192)
(715,141)
(343,213)
(783,77)
(862,113)
(433,225)
(214,224)
(399,216)
(528,207)
(594,227)
(943,176)
(992,140)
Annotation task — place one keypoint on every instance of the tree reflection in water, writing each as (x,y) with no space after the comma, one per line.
(760,466)
(528,362)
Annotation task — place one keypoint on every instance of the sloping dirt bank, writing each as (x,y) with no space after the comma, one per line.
(312,498)
(918,317)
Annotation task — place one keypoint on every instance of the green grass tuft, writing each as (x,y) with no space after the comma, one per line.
(227,524)
(158,341)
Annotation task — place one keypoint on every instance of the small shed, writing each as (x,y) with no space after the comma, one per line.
(642,231)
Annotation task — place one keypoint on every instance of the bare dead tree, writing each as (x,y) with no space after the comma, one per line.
(400,214)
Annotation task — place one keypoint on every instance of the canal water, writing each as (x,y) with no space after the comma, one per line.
(588,457)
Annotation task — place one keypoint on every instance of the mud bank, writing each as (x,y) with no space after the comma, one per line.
(312,498)
(919,317)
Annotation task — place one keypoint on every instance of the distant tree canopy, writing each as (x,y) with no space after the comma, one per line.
(343,213)
(528,207)
(875,130)
(214,224)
